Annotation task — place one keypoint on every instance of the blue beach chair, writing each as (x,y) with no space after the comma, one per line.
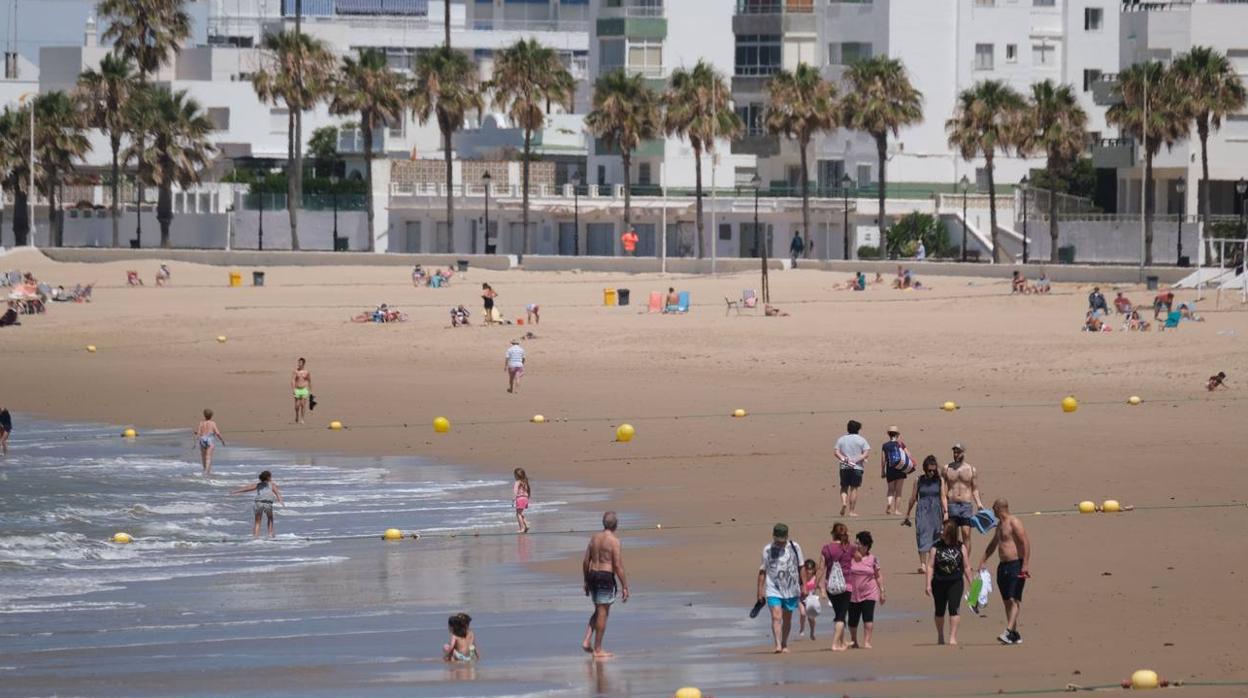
(682,302)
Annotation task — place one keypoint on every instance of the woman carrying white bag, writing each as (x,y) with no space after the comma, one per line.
(837,557)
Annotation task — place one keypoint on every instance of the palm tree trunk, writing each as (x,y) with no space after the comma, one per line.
(21,214)
(626,156)
(164,212)
(803,144)
(697,194)
(881,152)
(115,142)
(992,208)
(447,21)
(292,178)
(1148,211)
(294,221)
(524,218)
(366,131)
(1202,128)
(450,184)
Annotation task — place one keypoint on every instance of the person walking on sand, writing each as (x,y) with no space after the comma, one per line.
(838,555)
(602,566)
(6,428)
(796,247)
(947,569)
(301,384)
(780,583)
(266,494)
(488,294)
(866,585)
(1014,548)
(208,435)
(520,493)
(962,492)
(895,464)
(629,241)
(929,496)
(513,364)
(851,451)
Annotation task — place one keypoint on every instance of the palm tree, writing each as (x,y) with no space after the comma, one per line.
(528,77)
(446,84)
(298,76)
(15,167)
(880,99)
(60,141)
(800,105)
(1057,126)
(625,113)
(698,106)
(146,32)
(178,129)
(104,94)
(986,119)
(367,88)
(1212,89)
(1166,123)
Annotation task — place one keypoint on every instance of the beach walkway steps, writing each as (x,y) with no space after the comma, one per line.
(975,238)
(1235,282)
(1207,276)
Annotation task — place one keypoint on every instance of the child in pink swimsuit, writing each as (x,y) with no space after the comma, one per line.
(810,606)
(520,493)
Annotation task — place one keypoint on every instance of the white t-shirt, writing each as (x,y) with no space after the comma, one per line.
(515,356)
(782,570)
(852,446)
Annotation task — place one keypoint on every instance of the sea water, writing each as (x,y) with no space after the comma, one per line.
(197,606)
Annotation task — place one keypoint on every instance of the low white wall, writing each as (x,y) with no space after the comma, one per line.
(1111,241)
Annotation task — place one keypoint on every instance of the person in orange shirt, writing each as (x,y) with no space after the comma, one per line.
(629,240)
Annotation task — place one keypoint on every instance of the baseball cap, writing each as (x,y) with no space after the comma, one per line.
(780,531)
(958,446)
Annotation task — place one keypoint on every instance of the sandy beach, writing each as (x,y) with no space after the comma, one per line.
(1159,587)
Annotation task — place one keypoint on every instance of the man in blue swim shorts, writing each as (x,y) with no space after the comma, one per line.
(780,583)
(962,486)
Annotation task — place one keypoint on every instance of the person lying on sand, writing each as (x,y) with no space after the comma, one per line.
(1217,381)
(773,311)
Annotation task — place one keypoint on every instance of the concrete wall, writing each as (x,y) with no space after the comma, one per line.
(1111,241)
(642,265)
(1074,273)
(276,258)
(316,229)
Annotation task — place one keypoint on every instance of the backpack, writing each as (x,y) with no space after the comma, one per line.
(897,456)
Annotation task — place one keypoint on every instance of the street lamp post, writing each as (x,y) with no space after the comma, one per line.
(966,186)
(1180,188)
(1022,185)
(1241,188)
(333,189)
(485,181)
(576,213)
(846,182)
(760,240)
(260,237)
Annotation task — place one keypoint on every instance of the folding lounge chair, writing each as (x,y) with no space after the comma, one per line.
(682,302)
(656,302)
(1172,320)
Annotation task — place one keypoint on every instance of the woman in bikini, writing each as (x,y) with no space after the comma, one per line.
(207,434)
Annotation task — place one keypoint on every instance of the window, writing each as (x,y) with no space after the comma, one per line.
(1093,18)
(751,116)
(830,173)
(398,130)
(1011,53)
(983,56)
(864,175)
(1043,3)
(643,174)
(848,52)
(602,175)
(220,117)
(1043,54)
(645,57)
(1090,75)
(758,54)
(985,3)
(725,231)
(610,55)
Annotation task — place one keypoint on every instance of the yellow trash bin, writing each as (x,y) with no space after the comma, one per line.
(236,278)
(608,296)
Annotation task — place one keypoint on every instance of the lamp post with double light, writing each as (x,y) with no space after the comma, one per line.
(576,212)
(333,189)
(485,182)
(846,183)
(1022,186)
(966,187)
(1179,188)
(1241,188)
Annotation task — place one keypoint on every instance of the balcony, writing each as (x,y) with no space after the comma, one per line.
(631,8)
(758,143)
(1104,90)
(775,7)
(1113,153)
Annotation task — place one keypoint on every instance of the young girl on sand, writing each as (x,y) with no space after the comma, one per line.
(520,493)
(207,434)
(463,644)
(810,606)
(266,494)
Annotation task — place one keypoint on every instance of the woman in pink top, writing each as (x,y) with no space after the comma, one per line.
(839,554)
(866,585)
(520,493)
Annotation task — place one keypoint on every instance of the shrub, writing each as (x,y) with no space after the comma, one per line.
(868,252)
(902,238)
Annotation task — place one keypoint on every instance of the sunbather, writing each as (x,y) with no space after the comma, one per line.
(773,311)
(672,304)
(419,278)
(163,275)
(459,316)
(1135,323)
(1041,285)
(1188,312)
(1216,381)
(1093,323)
(1018,283)
(1122,304)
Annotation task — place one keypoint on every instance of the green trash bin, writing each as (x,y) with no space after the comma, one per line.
(257,278)
(1066,254)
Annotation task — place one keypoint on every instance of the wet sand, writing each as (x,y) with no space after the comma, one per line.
(1103,600)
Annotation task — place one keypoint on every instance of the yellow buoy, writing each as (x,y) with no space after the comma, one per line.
(1144,679)
(122,538)
(441,425)
(335,425)
(1069,404)
(221,338)
(624,433)
(658,525)
(949,406)
(1134,400)
(129,433)
(539,419)
(1086,507)
(1110,506)
(90,348)
(738,412)
(688,692)
(392,534)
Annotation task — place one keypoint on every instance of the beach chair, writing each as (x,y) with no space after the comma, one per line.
(682,302)
(748,300)
(14,278)
(132,278)
(656,302)
(1172,320)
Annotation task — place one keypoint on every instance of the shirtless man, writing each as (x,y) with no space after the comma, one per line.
(301,383)
(604,562)
(1014,547)
(963,488)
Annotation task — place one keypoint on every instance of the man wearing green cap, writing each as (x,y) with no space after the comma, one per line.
(780,583)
